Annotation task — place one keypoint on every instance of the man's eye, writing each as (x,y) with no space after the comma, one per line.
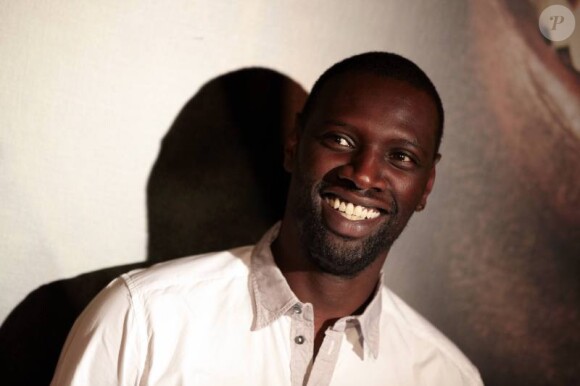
(341,141)
(402,157)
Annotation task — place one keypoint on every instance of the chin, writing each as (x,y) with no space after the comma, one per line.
(332,252)
(340,256)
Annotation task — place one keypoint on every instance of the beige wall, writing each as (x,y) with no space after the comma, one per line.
(89,89)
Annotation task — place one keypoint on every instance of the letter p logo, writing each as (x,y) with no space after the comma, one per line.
(557,20)
(557,23)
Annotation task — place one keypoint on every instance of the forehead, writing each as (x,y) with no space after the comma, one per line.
(378,102)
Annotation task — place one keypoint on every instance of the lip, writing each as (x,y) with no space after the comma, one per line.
(344,227)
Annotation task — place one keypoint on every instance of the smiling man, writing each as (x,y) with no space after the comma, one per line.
(306,305)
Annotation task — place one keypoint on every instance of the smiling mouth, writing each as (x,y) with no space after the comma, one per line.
(351,211)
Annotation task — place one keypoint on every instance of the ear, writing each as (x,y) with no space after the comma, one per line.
(291,144)
(430,183)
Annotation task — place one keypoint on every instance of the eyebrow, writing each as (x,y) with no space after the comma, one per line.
(338,123)
(411,142)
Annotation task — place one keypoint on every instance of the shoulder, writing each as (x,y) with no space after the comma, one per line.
(425,338)
(115,330)
(192,271)
(128,292)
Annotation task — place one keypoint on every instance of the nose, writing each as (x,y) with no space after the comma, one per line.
(365,170)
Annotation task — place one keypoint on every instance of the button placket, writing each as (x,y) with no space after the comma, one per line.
(323,367)
(297,313)
(302,332)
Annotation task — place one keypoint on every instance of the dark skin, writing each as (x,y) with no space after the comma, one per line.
(371,139)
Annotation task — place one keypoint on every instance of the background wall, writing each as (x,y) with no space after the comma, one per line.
(89,89)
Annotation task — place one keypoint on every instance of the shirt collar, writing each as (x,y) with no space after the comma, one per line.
(271,293)
(272,296)
(368,321)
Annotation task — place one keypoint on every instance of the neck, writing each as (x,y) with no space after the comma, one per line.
(331,296)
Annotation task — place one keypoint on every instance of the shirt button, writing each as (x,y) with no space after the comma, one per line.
(299,339)
(297,309)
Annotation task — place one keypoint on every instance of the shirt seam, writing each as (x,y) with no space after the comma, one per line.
(141,327)
(165,284)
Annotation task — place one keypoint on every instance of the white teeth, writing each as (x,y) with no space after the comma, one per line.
(349,208)
(352,212)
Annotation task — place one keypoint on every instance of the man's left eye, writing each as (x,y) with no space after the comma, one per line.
(402,157)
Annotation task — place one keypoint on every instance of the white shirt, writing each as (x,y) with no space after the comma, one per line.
(230,318)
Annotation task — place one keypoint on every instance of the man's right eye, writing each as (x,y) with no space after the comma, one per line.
(339,140)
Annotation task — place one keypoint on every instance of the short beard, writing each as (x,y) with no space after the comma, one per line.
(332,253)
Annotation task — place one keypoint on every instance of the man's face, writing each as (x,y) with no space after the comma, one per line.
(361,164)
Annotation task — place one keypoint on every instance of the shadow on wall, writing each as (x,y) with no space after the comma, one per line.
(218,182)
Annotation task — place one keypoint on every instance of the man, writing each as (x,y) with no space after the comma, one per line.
(306,305)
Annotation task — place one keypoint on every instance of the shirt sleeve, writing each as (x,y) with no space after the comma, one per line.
(104,347)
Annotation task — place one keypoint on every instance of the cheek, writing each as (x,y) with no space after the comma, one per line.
(316,163)
(408,190)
